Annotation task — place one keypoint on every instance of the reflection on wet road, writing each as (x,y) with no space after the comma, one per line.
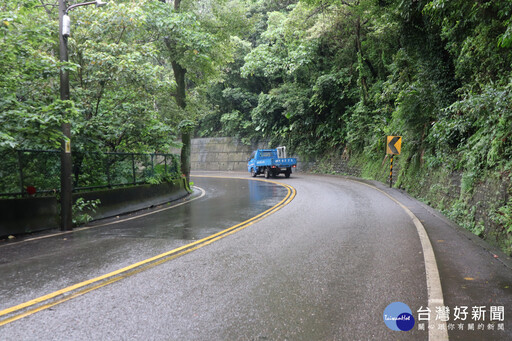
(34,268)
(325,267)
(227,202)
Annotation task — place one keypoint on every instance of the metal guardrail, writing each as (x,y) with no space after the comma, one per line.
(37,172)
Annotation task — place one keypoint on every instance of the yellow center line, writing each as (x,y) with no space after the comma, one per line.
(98,282)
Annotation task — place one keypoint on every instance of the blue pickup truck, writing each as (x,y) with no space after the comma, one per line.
(271,162)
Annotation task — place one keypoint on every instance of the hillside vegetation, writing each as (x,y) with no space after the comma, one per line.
(335,77)
(330,79)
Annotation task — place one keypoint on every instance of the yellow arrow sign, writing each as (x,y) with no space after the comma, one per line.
(394,145)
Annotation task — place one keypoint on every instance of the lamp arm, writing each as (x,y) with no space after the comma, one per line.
(80,4)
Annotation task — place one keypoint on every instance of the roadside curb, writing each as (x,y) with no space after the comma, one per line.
(52,299)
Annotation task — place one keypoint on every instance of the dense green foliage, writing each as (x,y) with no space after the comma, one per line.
(138,71)
(326,76)
(124,95)
(316,75)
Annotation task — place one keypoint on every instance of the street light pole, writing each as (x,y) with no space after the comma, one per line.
(66,216)
(66,186)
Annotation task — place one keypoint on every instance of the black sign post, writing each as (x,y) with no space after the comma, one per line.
(391,172)
(393,147)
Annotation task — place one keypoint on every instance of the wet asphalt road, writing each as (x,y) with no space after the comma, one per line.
(323,267)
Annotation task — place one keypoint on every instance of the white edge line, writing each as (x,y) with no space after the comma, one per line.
(203,193)
(434,288)
(176,252)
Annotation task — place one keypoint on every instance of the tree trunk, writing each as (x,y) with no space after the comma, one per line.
(181,100)
(177,4)
(179,76)
(359,49)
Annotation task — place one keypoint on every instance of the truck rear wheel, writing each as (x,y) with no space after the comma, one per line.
(288,172)
(267,173)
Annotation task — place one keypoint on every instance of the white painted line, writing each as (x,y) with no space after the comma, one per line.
(203,193)
(434,289)
(112,277)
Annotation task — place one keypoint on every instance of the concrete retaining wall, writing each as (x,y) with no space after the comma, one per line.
(19,216)
(26,215)
(221,154)
(129,199)
(224,154)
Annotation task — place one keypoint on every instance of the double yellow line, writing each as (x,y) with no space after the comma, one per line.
(47,301)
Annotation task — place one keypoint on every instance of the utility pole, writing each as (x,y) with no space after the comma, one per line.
(66,184)
(66,215)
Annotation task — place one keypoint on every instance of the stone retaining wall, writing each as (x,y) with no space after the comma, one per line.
(221,154)
(226,154)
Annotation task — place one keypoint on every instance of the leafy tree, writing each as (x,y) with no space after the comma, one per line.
(192,38)
(477,34)
(317,75)
(117,83)
(28,67)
